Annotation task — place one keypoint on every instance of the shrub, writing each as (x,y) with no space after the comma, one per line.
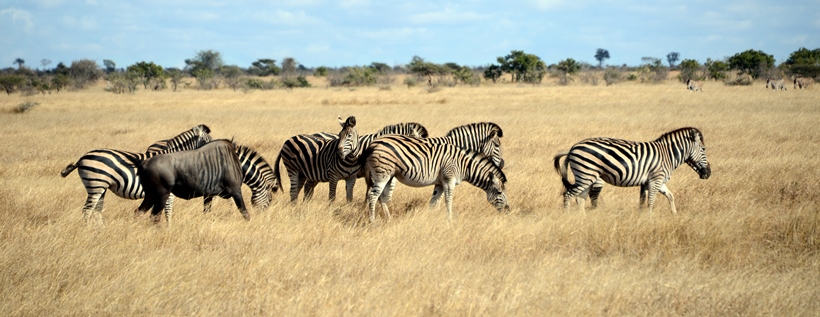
(612,76)
(410,81)
(25,106)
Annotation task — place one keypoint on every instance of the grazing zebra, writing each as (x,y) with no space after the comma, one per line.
(307,157)
(694,85)
(102,170)
(210,170)
(353,169)
(419,162)
(803,82)
(257,174)
(776,84)
(629,163)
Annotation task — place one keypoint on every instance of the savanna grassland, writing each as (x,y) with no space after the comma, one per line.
(745,242)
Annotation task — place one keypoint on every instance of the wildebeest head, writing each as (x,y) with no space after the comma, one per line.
(348,137)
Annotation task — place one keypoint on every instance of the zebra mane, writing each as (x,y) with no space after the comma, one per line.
(488,126)
(495,169)
(204,128)
(404,126)
(689,131)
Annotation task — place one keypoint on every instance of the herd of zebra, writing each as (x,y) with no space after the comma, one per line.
(192,165)
(775,84)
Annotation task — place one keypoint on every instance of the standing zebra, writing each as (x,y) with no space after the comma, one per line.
(105,169)
(694,85)
(776,84)
(629,163)
(419,162)
(480,137)
(302,147)
(257,174)
(803,82)
(311,158)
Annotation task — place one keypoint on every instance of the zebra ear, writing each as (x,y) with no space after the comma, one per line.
(341,123)
(351,121)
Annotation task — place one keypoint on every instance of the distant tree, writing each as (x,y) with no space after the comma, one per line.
(110,66)
(60,81)
(423,69)
(804,63)
(600,55)
(61,69)
(149,74)
(267,67)
(289,67)
(45,62)
(716,69)
(672,58)
(567,67)
(205,59)
(493,72)
(10,83)
(652,70)
(523,67)
(176,77)
(204,78)
(751,62)
(321,71)
(20,62)
(380,67)
(232,74)
(84,72)
(689,69)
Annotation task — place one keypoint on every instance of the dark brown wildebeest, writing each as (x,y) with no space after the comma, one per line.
(210,170)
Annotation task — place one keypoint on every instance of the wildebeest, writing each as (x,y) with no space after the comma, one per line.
(776,84)
(212,169)
(694,85)
(803,82)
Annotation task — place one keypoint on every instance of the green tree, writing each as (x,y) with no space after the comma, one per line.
(567,67)
(148,73)
(266,67)
(600,55)
(205,59)
(493,72)
(689,69)
(804,63)
(716,69)
(289,65)
(232,74)
(321,71)
(60,81)
(523,67)
(110,66)
(84,72)
(423,69)
(751,62)
(176,77)
(10,83)
(20,62)
(672,58)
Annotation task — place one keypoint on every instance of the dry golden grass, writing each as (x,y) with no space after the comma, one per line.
(745,242)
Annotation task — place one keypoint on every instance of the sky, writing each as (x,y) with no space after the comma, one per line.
(360,32)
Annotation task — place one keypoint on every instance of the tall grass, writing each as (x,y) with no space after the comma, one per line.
(745,242)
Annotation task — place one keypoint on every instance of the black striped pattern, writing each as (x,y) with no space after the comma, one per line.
(178,142)
(104,170)
(694,85)
(310,158)
(210,170)
(629,163)
(257,174)
(419,162)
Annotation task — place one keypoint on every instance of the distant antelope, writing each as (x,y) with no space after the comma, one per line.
(776,84)
(803,82)
(694,85)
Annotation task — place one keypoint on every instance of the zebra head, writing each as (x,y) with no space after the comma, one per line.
(496,195)
(348,138)
(697,155)
(492,149)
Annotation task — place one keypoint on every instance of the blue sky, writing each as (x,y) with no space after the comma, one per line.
(359,32)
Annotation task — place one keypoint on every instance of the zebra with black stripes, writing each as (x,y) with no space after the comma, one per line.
(776,84)
(803,82)
(419,162)
(102,170)
(311,158)
(480,137)
(629,163)
(257,174)
(313,142)
(694,85)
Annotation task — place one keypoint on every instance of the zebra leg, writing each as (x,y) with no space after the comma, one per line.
(449,186)
(438,190)
(595,192)
(309,187)
(386,196)
(157,208)
(169,209)
(296,183)
(207,203)
(350,182)
(666,192)
(644,194)
(374,194)
(90,204)
(331,191)
(97,214)
(654,187)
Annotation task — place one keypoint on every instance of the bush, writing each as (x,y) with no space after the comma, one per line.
(410,81)
(84,72)
(26,106)
(612,76)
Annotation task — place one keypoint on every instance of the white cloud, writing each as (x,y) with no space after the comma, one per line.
(547,4)
(392,34)
(354,3)
(288,18)
(48,3)
(448,16)
(84,23)
(17,15)
(317,48)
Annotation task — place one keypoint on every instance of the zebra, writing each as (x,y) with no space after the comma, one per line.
(628,163)
(803,82)
(102,170)
(313,142)
(481,137)
(694,85)
(776,84)
(257,174)
(210,170)
(419,162)
(307,157)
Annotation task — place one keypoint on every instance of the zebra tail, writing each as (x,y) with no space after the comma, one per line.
(68,169)
(276,171)
(562,169)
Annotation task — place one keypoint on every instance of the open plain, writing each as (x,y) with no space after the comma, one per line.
(745,242)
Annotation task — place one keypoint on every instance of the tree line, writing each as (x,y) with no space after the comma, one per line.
(208,71)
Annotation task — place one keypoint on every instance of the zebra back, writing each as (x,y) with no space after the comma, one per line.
(188,140)
(482,137)
(258,175)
